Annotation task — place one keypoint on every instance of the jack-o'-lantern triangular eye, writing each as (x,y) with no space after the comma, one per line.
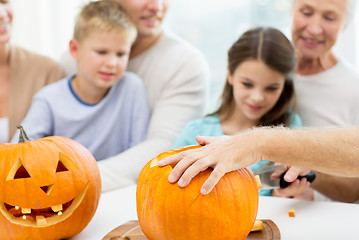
(61,167)
(65,164)
(18,171)
(21,173)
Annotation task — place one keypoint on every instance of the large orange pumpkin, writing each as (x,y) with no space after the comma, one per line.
(49,188)
(168,212)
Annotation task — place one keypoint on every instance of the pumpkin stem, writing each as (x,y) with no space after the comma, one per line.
(23,136)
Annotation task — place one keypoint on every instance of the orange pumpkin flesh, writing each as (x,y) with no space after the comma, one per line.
(291,213)
(49,189)
(166,211)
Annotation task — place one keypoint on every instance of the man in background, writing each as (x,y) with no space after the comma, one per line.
(175,76)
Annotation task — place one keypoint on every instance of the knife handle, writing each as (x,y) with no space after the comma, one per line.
(283,183)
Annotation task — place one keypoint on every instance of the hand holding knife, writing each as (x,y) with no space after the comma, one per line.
(268,182)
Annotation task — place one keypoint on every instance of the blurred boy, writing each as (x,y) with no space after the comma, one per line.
(176,78)
(101,106)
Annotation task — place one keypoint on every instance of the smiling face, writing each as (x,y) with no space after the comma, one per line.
(46,184)
(147,15)
(102,58)
(256,89)
(316,25)
(43,207)
(5,21)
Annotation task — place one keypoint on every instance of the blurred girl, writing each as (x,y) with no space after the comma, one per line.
(258,92)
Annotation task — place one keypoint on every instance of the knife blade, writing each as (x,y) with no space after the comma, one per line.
(268,182)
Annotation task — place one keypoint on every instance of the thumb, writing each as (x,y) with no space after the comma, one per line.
(292,173)
(202,140)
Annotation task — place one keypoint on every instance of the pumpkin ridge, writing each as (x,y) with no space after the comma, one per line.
(194,200)
(166,203)
(233,196)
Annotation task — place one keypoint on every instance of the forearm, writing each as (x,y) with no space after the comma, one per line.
(337,188)
(332,151)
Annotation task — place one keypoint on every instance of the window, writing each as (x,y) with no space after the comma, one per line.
(212,26)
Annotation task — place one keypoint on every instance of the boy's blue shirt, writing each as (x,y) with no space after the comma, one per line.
(116,123)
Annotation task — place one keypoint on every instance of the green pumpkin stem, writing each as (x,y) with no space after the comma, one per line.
(23,136)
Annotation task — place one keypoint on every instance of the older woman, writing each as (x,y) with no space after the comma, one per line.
(327,87)
(22,73)
(327,96)
(320,74)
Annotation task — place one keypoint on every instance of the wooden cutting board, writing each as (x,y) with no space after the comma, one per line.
(132,231)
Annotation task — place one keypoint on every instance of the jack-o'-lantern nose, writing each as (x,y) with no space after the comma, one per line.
(47,188)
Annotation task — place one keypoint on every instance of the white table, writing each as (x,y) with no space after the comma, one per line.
(313,220)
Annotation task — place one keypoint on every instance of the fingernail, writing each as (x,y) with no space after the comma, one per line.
(160,163)
(181,183)
(289,177)
(171,178)
(204,191)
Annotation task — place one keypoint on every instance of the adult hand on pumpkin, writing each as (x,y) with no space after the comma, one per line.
(217,154)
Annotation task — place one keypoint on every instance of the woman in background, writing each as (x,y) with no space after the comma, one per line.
(320,75)
(22,74)
(326,85)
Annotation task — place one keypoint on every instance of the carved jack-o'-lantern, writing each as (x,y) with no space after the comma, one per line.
(49,188)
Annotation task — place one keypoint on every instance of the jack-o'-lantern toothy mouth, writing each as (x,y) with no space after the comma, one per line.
(41,217)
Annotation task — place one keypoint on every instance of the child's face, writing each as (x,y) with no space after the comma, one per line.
(256,89)
(102,58)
